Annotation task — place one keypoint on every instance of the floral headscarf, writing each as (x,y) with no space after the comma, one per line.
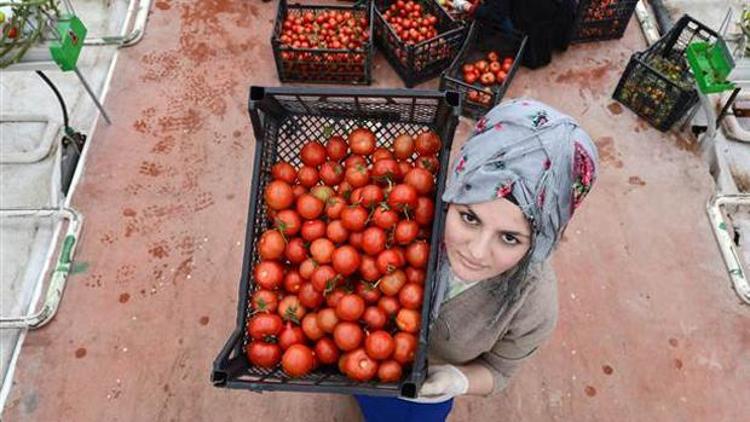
(536,156)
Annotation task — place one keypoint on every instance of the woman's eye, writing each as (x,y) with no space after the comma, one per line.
(468,218)
(509,239)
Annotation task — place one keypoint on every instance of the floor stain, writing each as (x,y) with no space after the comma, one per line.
(636,181)
(590,391)
(678,363)
(80,352)
(159,249)
(607,369)
(674,342)
(162,5)
(615,108)
(204,320)
(607,152)
(124,298)
(129,212)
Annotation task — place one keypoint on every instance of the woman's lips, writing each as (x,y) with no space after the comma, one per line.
(474,266)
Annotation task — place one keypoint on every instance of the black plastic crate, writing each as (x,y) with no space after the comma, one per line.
(283,120)
(600,20)
(316,65)
(481,40)
(657,83)
(420,62)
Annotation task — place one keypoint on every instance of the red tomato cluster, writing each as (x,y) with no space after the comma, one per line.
(411,24)
(341,272)
(488,71)
(326,29)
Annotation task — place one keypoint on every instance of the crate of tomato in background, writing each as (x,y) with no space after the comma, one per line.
(600,20)
(344,223)
(323,44)
(484,68)
(419,39)
(658,84)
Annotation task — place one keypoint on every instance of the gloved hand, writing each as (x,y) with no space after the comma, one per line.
(461,5)
(443,383)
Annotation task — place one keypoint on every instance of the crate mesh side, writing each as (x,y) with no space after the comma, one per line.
(602,20)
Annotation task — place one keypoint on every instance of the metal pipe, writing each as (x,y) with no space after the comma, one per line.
(650,31)
(726,242)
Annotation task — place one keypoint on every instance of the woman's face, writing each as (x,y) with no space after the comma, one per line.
(484,240)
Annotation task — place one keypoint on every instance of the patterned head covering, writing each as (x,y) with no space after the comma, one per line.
(534,155)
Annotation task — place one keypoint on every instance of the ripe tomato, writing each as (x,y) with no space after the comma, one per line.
(355,239)
(495,66)
(331,173)
(360,367)
(389,371)
(278,195)
(385,218)
(356,197)
(265,301)
(390,284)
(428,143)
(346,260)
(295,251)
(381,154)
(389,305)
(386,170)
(421,180)
(332,299)
(291,309)
(389,261)
(487,78)
(290,334)
(374,318)
(468,68)
(406,231)
(327,319)
(307,268)
(263,354)
(309,297)
(411,296)
(418,253)
(404,167)
(293,281)
(403,197)
(357,175)
(344,190)
(311,328)
(336,148)
(284,171)
(313,154)
(362,141)
(336,232)
(268,274)
(403,146)
(347,335)
(367,291)
(493,56)
(354,161)
(326,351)
(298,360)
(415,275)
(368,269)
(470,78)
(298,190)
(379,345)
(350,307)
(271,245)
(288,222)
(354,218)
(408,320)
(500,76)
(309,207)
(373,240)
(430,164)
(406,348)
(313,229)
(263,325)
(481,65)
(371,196)
(322,250)
(334,206)
(425,211)
(308,176)
(324,278)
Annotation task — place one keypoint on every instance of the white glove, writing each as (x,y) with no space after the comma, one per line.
(443,383)
(461,5)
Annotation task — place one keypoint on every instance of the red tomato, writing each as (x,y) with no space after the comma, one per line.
(346,260)
(381,154)
(379,345)
(354,161)
(368,268)
(385,170)
(389,305)
(271,245)
(424,212)
(293,281)
(264,325)
(309,297)
(390,284)
(334,206)
(357,176)
(313,154)
(295,251)
(360,367)
(405,348)
(278,195)
(418,253)
(408,320)
(373,240)
(430,164)
(265,301)
(389,371)
(327,319)
(298,360)
(307,268)
(371,196)
(403,197)
(374,317)
(284,171)
(336,232)
(268,274)
(263,354)
(324,278)
(313,229)
(331,173)
(311,328)
(322,250)
(389,261)
(470,78)
(350,307)
(411,296)
(403,147)
(288,222)
(290,334)
(362,141)
(355,239)
(406,231)
(291,309)
(385,218)
(336,148)
(354,218)
(415,275)
(298,191)
(368,291)
(404,167)
(421,180)
(347,335)
(428,143)
(326,351)
(309,207)
(308,176)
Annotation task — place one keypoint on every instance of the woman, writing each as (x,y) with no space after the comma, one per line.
(511,192)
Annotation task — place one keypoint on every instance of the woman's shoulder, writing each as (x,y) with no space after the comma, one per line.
(540,303)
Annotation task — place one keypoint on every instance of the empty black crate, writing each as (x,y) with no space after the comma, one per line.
(420,62)
(657,83)
(317,65)
(600,20)
(482,40)
(284,119)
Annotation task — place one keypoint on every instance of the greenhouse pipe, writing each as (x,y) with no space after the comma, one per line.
(726,242)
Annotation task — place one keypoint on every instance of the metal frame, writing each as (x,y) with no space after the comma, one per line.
(51,130)
(61,271)
(136,33)
(729,252)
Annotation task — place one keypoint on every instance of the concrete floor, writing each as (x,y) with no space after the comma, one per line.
(650,328)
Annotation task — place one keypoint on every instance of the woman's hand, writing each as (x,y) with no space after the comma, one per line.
(447,381)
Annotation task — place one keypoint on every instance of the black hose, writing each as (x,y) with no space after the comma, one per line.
(663,19)
(59,97)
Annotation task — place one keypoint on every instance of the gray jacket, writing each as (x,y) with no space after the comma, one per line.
(464,331)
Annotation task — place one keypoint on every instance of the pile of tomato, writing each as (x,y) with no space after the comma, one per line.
(410,23)
(332,29)
(488,71)
(341,271)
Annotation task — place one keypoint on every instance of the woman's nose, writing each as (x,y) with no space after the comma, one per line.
(479,247)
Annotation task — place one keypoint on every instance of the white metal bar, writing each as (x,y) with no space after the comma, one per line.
(40,152)
(727,247)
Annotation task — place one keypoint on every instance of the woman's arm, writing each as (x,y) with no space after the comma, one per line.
(481,380)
